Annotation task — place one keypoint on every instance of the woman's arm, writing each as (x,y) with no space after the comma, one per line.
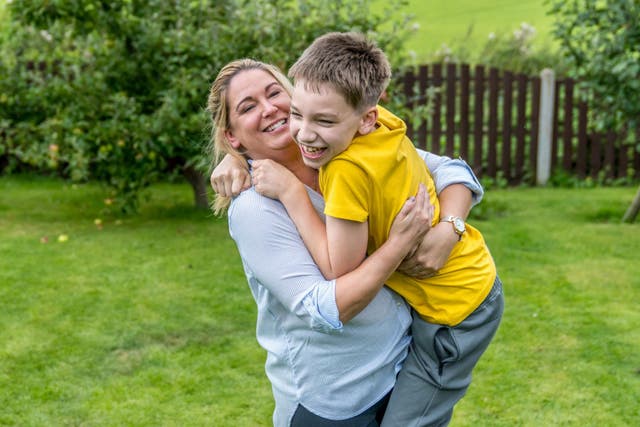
(230,177)
(432,253)
(458,190)
(274,255)
(446,171)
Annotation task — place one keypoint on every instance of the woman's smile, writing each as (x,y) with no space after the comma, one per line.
(277,125)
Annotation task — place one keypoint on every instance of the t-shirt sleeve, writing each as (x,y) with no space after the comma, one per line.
(346,190)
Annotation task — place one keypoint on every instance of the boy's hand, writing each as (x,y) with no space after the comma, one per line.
(412,222)
(230,177)
(273,180)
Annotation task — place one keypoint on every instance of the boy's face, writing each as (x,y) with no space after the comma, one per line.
(322,123)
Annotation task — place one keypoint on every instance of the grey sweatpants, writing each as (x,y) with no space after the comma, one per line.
(437,371)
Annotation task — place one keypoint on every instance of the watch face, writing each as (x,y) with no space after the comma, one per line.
(458,223)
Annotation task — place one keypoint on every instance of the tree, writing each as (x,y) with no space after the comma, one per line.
(601,39)
(115,91)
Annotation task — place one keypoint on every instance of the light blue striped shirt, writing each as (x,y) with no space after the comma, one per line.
(334,370)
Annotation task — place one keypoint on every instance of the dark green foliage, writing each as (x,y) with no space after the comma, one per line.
(116,91)
(601,39)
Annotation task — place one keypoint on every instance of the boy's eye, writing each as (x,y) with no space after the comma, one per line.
(274,93)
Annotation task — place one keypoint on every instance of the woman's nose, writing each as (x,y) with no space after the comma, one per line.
(268,109)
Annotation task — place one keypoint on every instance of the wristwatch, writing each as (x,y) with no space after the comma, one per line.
(458,224)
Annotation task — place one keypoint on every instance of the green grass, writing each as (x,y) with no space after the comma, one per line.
(450,21)
(149,321)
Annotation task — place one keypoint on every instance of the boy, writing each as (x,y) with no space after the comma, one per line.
(368,168)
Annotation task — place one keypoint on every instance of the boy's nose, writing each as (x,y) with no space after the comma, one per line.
(305,134)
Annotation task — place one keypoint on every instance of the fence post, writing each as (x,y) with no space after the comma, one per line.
(545,126)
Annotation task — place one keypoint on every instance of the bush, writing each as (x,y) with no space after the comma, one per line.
(115,91)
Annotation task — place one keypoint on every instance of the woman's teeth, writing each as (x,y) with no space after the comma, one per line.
(276,125)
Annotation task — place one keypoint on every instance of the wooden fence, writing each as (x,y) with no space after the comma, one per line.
(492,119)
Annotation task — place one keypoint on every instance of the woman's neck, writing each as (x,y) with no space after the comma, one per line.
(307,175)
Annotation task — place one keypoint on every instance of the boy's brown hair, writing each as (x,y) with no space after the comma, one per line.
(355,66)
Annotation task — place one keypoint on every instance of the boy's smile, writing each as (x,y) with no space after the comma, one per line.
(321,122)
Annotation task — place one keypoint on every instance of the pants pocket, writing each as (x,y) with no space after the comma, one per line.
(446,348)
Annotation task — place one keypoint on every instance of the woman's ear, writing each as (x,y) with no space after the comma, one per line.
(233,141)
(368,120)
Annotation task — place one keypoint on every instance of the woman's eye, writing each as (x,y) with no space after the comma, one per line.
(274,94)
(247,108)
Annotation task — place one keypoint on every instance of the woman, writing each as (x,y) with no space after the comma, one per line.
(333,347)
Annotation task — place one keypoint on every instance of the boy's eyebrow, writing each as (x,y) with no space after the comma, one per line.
(327,115)
(322,114)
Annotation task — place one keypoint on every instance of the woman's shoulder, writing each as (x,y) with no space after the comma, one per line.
(250,202)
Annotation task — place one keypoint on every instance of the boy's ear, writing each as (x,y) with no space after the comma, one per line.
(233,141)
(368,120)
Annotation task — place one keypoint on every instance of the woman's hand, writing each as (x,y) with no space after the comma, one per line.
(412,222)
(436,246)
(273,180)
(230,177)
(432,252)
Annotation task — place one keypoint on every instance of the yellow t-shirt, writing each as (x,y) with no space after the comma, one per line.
(370,181)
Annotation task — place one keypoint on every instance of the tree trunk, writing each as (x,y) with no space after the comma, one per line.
(633,209)
(199,185)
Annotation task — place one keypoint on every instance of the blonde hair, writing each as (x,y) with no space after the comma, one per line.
(218,108)
(355,66)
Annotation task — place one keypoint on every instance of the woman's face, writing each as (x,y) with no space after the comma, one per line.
(259,116)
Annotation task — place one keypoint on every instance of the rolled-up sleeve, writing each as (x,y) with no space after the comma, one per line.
(321,305)
(447,171)
(275,256)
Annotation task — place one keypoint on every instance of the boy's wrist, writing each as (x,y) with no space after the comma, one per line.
(292,193)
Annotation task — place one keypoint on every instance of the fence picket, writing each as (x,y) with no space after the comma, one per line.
(520,127)
(472,116)
(478,119)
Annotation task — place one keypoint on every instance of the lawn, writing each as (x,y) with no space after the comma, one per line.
(147,320)
(449,21)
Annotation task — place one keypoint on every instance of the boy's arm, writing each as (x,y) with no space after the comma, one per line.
(337,247)
(275,181)
(310,226)
(347,244)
